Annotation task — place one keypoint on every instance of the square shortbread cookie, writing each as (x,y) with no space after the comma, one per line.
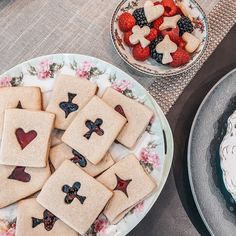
(70,94)
(19,182)
(21,97)
(26,137)
(94,129)
(62,152)
(74,196)
(130,184)
(34,220)
(137,114)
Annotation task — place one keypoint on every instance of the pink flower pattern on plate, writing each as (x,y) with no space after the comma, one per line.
(6,82)
(139,208)
(100,225)
(44,69)
(84,70)
(10,232)
(121,85)
(149,156)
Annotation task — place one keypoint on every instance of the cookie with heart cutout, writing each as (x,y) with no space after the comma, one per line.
(62,152)
(18,182)
(19,97)
(70,94)
(26,137)
(133,111)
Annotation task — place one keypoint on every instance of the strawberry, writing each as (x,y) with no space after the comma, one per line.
(126,38)
(152,35)
(126,22)
(173,34)
(180,57)
(141,54)
(181,43)
(157,23)
(170,7)
(179,11)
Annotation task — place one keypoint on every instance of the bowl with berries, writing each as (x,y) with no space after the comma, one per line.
(159,37)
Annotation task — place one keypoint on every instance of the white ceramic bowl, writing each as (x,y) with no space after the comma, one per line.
(150,66)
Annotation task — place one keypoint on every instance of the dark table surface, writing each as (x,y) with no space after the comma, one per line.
(175,213)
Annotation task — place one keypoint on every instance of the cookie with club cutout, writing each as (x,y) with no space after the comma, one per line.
(94,129)
(192,42)
(74,196)
(70,94)
(166,47)
(34,220)
(152,12)
(19,97)
(135,113)
(18,182)
(26,137)
(139,35)
(169,22)
(62,152)
(129,187)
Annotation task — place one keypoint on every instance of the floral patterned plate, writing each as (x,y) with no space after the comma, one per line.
(154,148)
(150,66)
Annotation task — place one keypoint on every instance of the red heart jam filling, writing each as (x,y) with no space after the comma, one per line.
(19,174)
(25,138)
(119,109)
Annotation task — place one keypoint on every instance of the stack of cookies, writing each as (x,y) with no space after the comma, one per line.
(86,181)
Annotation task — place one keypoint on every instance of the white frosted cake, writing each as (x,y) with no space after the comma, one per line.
(228,156)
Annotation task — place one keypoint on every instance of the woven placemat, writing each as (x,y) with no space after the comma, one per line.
(221,19)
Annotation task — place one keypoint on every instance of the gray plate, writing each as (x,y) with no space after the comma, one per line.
(215,205)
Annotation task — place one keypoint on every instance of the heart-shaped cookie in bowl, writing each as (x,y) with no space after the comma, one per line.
(194,40)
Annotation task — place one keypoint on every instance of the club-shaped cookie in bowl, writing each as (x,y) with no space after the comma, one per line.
(139,27)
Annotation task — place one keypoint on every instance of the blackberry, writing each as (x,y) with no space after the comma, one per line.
(140,17)
(156,56)
(185,25)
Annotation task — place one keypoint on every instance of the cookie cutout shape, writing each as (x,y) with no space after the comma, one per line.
(19,174)
(72,193)
(184,9)
(152,12)
(137,114)
(15,185)
(26,137)
(19,105)
(166,47)
(70,94)
(139,35)
(69,106)
(79,138)
(48,220)
(122,185)
(129,187)
(120,109)
(35,220)
(62,152)
(78,216)
(78,159)
(192,42)
(169,22)
(94,127)
(19,97)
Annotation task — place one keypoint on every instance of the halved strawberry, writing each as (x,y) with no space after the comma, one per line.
(173,34)
(170,7)
(141,54)
(180,57)
(152,35)
(126,22)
